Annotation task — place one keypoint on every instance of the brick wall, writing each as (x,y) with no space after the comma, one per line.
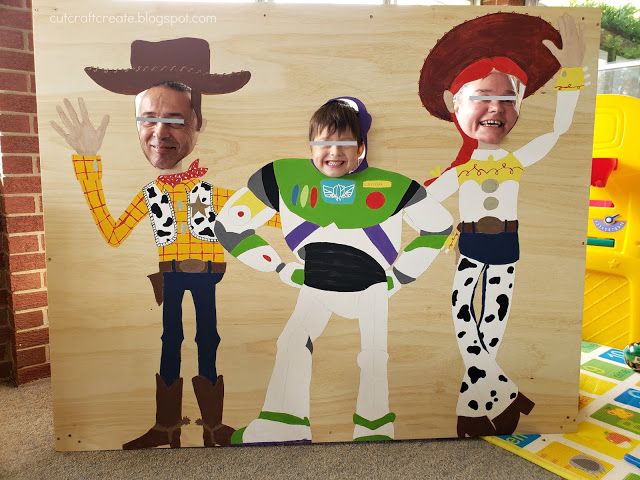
(24,331)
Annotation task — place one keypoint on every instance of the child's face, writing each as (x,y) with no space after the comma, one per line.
(335,160)
(485,119)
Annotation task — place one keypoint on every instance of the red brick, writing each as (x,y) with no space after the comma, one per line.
(19,144)
(11,38)
(14,123)
(25,281)
(18,103)
(15,18)
(13,205)
(30,41)
(17,82)
(29,374)
(34,123)
(25,224)
(11,60)
(32,83)
(32,338)
(25,301)
(26,184)
(13,3)
(28,320)
(31,356)
(26,263)
(17,164)
(23,244)
(43,245)
(6,369)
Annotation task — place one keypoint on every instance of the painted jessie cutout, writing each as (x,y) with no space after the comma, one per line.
(168,79)
(480,89)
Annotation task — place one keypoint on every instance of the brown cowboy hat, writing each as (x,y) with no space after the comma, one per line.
(512,35)
(185,60)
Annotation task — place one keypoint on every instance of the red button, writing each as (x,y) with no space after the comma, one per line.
(241,213)
(314,197)
(266,257)
(375,200)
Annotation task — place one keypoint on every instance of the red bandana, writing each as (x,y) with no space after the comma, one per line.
(192,172)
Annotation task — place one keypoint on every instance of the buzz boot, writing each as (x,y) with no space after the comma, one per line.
(210,400)
(169,419)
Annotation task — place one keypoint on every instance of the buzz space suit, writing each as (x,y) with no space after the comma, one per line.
(346,232)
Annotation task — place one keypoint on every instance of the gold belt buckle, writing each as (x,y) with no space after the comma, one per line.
(191,265)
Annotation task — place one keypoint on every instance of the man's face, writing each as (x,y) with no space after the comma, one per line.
(335,160)
(166,144)
(485,119)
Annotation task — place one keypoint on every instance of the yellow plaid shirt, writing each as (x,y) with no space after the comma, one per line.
(88,170)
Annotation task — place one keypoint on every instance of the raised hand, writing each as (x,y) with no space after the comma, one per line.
(572,52)
(80,135)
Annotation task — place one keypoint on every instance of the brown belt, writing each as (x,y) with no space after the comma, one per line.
(489,225)
(192,265)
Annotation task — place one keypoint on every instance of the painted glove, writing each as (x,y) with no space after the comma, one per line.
(291,273)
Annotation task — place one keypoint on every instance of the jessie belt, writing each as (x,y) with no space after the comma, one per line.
(489,225)
(192,265)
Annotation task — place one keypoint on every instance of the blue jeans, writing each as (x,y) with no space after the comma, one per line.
(203,291)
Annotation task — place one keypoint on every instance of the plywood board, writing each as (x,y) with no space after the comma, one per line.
(105,324)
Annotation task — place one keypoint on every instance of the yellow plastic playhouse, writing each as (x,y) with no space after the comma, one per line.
(612,282)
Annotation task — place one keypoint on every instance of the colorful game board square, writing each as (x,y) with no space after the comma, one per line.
(588,347)
(605,440)
(630,397)
(594,385)
(619,417)
(574,460)
(607,369)
(519,440)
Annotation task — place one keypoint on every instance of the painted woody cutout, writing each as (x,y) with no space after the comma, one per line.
(169,78)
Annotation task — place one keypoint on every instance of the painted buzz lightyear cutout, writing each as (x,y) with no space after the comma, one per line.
(346,235)
(487,178)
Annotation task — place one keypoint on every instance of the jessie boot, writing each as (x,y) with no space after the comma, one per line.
(475,427)
(507,422)
(210,400)
(167,430)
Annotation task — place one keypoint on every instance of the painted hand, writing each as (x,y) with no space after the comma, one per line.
(292,274)
(80,135)
(572,52)
(393,284)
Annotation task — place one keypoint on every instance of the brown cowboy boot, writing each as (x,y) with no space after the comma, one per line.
(210,400)
(166,431)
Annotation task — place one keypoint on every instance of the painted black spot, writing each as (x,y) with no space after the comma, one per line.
(474,350)
(464,264)
(468,282)
(493,393)
(198,220)
(473,405)
(476,374)
(461,334)
(495,400)
(165,198)
(309,345)
(156,210)
(475,342)
(464,314)
(502,378)
(503,302)
(207,232)
(212,216)
(454,298)
(489,318)
(494,341)
(464,387)
(168,223)
(151,192)
(488,405)
(162,233)
(513,395)
(204,199)
(481,335)
(195,189)
(510,270)
(206,186)
(511,285)
(494,281)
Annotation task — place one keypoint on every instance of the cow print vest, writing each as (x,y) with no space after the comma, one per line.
(163,217)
